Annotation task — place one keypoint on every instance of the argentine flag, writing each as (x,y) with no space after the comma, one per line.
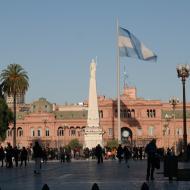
(130,46)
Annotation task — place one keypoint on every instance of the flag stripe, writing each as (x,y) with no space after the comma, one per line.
(130,46)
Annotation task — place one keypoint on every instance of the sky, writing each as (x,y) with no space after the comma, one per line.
(55,41)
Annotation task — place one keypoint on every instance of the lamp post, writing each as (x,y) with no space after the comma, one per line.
(174,101)
(166,129)
(183,73)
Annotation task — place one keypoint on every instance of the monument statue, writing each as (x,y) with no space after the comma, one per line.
(93,131)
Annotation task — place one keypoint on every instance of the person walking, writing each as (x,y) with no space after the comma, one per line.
(119,153)
(9,155)
(2,155)
(151,151)
(16,153)
(37,153)
(127,155)
(99,153)
(23,156)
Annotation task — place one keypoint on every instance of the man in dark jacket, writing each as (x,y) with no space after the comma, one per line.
(37,153)
(99,153)
(23,156)
(151,151)
(2,155)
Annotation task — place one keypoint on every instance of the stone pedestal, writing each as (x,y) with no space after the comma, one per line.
(93,137)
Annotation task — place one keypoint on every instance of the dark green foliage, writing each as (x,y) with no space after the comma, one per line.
(112,144)
(6,117)
(74,143)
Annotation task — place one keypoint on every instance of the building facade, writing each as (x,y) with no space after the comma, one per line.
(141,120)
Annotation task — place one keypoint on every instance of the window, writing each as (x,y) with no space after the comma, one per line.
(9,133)
(60,131)
(73,132)
(151,113)
(180,131)
(188,131)
(167,131)
(101,114)
(133,113)
(47,132)
(110,131)
(129,113)
(39,132)
(19,132)
(151,131)
(32,132)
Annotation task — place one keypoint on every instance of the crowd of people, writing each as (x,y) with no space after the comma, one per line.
(16,156)
(19,157)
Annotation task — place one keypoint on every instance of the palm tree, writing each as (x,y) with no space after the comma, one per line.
(15,82)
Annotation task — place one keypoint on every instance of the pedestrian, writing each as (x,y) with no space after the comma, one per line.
(95,186)
(44,155)
(9,156)
(99,153)
(151,151)
(2,155)
(127,155)
(23,156)
(119,153)
(62,154)
(144,186)
(37,153)
(16,153)
(45,187)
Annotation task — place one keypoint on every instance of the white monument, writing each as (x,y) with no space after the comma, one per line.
(93,131)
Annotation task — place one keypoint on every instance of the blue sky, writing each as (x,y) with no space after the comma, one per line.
(55,41)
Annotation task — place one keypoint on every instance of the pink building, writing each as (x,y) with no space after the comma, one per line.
(141,120)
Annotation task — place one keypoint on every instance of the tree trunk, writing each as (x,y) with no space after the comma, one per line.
(14,120)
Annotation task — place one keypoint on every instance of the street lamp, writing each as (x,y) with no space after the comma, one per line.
(166,130)
(174,101)
(183,73)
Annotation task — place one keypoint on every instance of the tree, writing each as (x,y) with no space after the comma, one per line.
(14,82)
(6,117)
(74,143)
(112,144)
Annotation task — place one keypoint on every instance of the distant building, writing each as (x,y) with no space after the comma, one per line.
(141,120)
(20,99)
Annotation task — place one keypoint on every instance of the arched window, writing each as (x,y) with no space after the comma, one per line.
(32,132)
(124,113)
(19,132)
(133,113)
(39,132)
(47,132)
(151,131)
(9,133)
(60,131)
(72,131)
(129,113)
(151,113)
(101,115)
(188,131)
(180,131)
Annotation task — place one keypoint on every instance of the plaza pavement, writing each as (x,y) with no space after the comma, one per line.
(80,175)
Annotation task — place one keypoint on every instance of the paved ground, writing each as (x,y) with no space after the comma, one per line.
(80,175)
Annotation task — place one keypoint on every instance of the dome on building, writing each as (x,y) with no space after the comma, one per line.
(41,105)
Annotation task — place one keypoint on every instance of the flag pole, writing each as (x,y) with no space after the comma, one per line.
(118,86)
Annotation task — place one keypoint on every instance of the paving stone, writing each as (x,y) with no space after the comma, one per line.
(81,175)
